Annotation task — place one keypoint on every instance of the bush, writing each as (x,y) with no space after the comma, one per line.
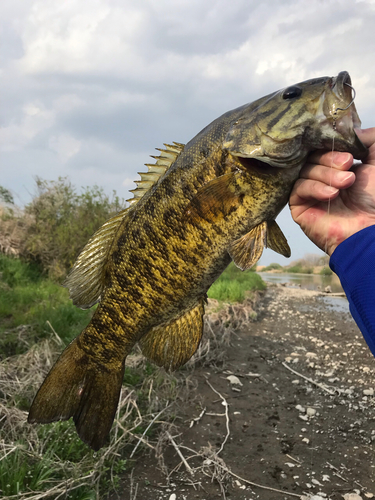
(273,266)
(62,221)
(326,271)
(299,268)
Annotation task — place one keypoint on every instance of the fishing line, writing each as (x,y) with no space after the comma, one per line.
(333,148)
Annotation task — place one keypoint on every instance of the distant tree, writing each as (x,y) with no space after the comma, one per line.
(6,196)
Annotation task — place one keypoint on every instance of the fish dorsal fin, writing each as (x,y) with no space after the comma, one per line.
(156,170)
(86,279)
(247,250)
(276,240)
(172,344)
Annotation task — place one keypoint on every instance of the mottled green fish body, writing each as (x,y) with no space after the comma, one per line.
(196,209)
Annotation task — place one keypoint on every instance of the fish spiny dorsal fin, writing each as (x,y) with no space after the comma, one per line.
(86,279)
(156,170)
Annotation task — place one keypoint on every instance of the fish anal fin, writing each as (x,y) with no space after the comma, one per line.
(79,387)
(215,200)
(276,240)
(247,250)
(172,344)
(86,279)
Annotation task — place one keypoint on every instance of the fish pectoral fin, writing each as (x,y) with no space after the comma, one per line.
(86,279)
(172,344)
(79,387)
(215,200)
(247,250)
(276,240)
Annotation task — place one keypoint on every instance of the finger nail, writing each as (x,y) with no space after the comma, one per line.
(340,159)
(345,176)
(330,190)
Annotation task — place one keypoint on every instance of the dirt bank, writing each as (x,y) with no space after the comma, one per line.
(269,424)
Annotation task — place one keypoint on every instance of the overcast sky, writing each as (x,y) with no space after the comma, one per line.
(89,89)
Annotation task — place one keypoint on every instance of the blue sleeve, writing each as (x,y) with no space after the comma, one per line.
(354,263)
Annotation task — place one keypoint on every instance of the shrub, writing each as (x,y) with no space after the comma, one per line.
(326,271)
(273,266)
(61,222)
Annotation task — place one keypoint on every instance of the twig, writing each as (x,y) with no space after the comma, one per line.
(8,453)
(245,480)
(321,386)
(188,468)
(56,334)
(337,473)
(224,402)
(294,459)
(147,428)
(198,418)
(131,487)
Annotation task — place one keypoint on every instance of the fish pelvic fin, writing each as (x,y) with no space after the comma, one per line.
(276,240)
(172,344)
(86,280)
(79,387)
(247,250)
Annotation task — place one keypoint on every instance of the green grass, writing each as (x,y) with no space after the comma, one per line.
(29,298)
(43,457)
(233,285)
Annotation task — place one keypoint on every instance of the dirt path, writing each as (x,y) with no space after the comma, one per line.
(277,430)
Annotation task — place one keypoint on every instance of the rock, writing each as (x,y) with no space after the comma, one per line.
(310,412)
(368,392)
(234,380)
(173,496)
(301,409)
(351,496)
(328,289)
(311,355)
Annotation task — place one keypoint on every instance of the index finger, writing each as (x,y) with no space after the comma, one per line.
(335,159)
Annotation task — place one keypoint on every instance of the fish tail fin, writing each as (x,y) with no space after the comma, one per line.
(78,386)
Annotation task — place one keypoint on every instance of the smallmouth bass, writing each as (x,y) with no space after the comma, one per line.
(199,207)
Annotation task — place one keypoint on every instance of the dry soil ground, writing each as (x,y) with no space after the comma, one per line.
(274,427)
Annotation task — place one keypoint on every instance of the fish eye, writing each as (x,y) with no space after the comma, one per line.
(292,92)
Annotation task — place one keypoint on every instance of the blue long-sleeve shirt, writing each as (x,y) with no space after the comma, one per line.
(354,263)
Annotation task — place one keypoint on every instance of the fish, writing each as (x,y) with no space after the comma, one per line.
(197,208)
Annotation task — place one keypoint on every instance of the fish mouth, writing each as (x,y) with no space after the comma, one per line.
(342,115)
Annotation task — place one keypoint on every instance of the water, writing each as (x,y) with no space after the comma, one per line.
(313,282)
(308,281)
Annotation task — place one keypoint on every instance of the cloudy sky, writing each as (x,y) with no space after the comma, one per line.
(89,89)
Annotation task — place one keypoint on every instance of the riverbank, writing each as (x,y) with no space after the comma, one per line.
(291,407)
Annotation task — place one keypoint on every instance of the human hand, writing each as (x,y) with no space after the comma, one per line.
(326,177)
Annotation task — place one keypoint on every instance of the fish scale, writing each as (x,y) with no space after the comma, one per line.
(197,208)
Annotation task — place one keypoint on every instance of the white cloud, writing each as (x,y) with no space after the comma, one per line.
(18,134)
(90,88)
(65,146)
